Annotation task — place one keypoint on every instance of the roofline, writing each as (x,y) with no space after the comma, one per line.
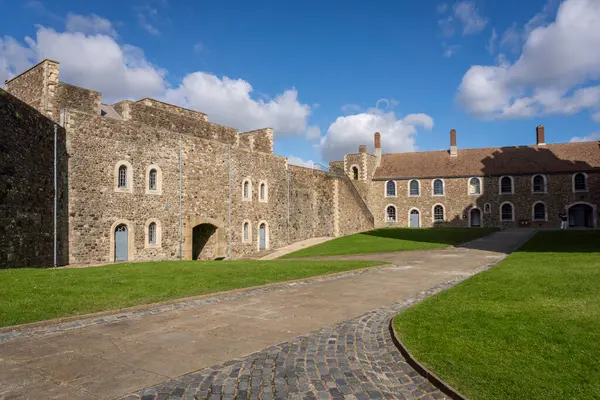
(488,175)
(169,104)
(27,70)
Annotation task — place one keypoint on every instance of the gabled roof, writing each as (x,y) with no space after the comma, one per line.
(550,158)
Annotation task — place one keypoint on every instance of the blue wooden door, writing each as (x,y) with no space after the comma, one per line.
(414,219)
(121,243)
(262,237)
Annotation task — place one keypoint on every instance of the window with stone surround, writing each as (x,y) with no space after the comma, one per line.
(538,184)
(247,189)
(474,186)
(438,187)
(438,213)
(355,173)
(414,188)
(153,233)
(487,208)
(123,177)
(263,192)
(507,212)
(539,211)
(580,182)
(390,213)
(153,180)
(506,185)
(246,232)
(390,189)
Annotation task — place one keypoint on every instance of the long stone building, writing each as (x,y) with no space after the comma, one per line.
(85,182)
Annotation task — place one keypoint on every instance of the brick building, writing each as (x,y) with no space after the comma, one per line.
(83,182)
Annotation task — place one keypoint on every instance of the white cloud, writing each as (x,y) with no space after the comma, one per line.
(313,132)
(447,26)
(350,107)
(14,58)
(551,73)
(592,137)
(511,39)
(303,163)
(145,16)
(92,24)
(348,132)
(468,15)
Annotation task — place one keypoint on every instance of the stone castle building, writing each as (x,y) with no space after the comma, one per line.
(85,182)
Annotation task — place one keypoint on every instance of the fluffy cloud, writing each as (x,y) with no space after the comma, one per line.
(303,163)
(550,75)
(348,132)
(92,24)
(464,13)
(228,101)
(91,57)
(592,137)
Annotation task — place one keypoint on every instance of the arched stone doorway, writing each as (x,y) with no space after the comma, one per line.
(414,218)
(475,218)
(204,239)
(582,215)
(122,246)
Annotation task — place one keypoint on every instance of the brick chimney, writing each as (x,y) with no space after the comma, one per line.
(539,135)
(378,147)
(362,148)
(453,151)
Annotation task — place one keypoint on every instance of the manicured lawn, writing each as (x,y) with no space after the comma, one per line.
(392,239)
(29,295)
(529,328)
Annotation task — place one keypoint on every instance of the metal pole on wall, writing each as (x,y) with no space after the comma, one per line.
(55,196)
(180,199)
(229,206)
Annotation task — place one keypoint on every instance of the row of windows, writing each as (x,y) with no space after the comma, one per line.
(507,212)
(538,185)
(124,178)
(263,190)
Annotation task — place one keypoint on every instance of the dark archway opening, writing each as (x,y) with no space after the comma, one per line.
(203,241)
(475,218)
(581,216)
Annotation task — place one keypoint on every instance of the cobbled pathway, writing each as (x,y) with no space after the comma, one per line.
(355,359)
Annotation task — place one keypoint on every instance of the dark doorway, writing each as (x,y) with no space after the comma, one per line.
(475,218)
(581,216)
(201,236)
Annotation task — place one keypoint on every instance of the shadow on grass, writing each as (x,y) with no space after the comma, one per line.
(567,241)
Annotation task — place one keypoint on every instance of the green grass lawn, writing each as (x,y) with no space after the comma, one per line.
(29,295)
(529,328)
(392,239)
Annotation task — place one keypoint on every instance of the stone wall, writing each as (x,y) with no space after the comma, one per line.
(353,213)
(184,112)
(262,139)
(75,98)
(27,187)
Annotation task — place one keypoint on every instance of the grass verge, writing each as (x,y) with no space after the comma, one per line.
(392,239)
(529,328)
(30,294)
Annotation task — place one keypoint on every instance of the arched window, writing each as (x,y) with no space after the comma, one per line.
(507,212)
(246,233)
(247,190)
(413,188)
(539,212)
(390,189)
(506,185)
(263,192)
(438,187)
(390,214)
(122,177)
(153,180)
(355,173)
(474,186)
(438,213)
(538,184)
(580,182)
(487,208)
(152,233)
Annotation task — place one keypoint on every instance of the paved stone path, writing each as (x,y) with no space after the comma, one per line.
(122,353)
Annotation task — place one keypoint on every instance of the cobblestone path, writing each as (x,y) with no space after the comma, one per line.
(355,359)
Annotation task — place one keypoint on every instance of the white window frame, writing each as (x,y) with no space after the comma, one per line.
(443,187)
(247,240)
(545,184)
(433,220)
(480,186)
(128,177)
(158,190)
(533,218)
(512,184)
(408,188)
(395,213)
(513,212)
(385,191)
(158,242)
(585,176)
(249,181)
(265,199)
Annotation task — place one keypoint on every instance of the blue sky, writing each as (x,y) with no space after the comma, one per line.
(326,75)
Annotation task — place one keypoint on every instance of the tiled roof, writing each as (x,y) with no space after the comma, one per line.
(551,158)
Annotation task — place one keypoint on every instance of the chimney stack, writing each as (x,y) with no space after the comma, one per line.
(362,148)
(378,147)
(453,150)
(539,135)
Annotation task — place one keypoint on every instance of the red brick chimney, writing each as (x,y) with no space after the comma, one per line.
(539,135)
(362,148)
(453,150)
(378,147)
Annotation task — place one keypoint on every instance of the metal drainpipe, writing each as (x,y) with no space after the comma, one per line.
(180,199)
(55,196)
(229,205)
